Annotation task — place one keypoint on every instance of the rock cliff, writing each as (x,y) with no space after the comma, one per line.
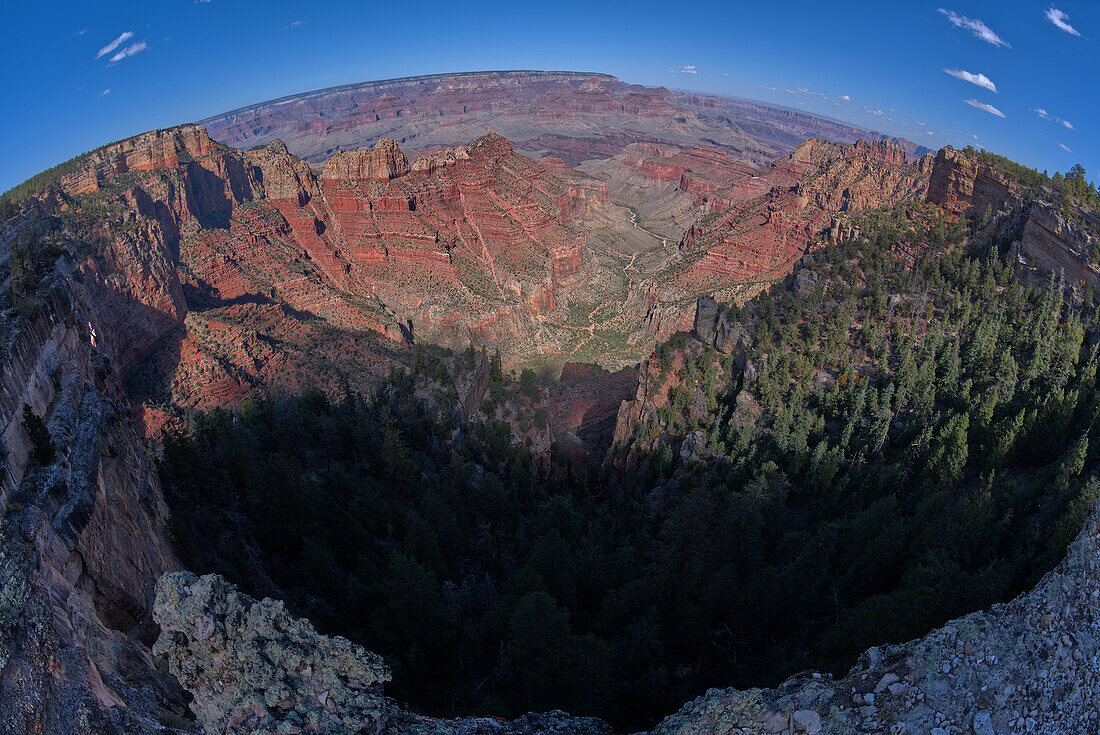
(773,217)
(1053,234)
(82,536)
(249,259)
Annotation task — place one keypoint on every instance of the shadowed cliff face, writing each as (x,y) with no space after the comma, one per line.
(82,537)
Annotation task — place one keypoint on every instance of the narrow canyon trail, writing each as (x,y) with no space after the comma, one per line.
(630,283)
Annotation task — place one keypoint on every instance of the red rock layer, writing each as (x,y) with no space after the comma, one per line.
(961,183)
(249,257)
(773,217)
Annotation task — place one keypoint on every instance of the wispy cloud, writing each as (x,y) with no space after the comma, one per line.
(920,123)
(844,98)
(683,69)
(979,79)
(294,24)
(105,92)
(131,50)
(973,136)
(1064,147)
(797,90)
(977,27)
(1052,118)
(764,86)
(123,38)
(81,32)
(1061,20)
(983,106)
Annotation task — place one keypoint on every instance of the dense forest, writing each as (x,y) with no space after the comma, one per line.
(910,439)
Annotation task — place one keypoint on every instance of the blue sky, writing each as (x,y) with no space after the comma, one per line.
(880,65)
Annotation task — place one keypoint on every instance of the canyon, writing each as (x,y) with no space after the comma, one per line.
(599,220)
(574,116)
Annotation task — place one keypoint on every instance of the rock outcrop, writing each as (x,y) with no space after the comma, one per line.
(1054,234)
(254,668)
(1058,244)
(713,326)
(961,183)
(774,217)
(150,151)
(385,162)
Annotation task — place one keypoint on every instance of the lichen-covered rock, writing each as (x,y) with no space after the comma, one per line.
(555,722)
(1030,665)
(254,668)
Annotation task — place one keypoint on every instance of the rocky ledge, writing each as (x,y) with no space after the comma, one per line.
(253,668)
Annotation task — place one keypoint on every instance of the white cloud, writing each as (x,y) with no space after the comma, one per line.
(920,123)
(1061,20)
(929,132)
(973,136)
(115,44)
(979,79)
(877,112)
(844,98)
(105,92)
(725,73)
(797,90)
(81,32)
(1052,118)
(1064,147)
(131,50)
(678,69)
(983,106)
(977,27)
(762,86)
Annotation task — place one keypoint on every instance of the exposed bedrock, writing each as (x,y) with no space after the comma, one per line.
(1054,235)
(82,540)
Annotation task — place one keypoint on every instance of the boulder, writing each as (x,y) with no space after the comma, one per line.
(254,668)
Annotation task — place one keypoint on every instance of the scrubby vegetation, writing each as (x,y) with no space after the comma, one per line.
(908,442)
